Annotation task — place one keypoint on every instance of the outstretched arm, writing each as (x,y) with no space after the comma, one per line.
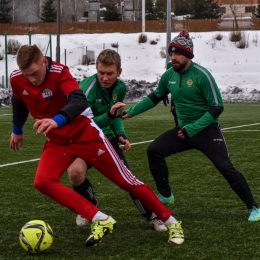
(20,114)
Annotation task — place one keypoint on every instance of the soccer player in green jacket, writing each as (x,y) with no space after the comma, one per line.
(198,105)
(105,93)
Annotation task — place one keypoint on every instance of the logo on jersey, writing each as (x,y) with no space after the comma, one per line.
(218,140)
(189,82)
(100,152)
(172,82)
(47,94)
(114,97)
(98,100)
(25,92)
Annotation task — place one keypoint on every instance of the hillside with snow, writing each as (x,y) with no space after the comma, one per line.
(236,70)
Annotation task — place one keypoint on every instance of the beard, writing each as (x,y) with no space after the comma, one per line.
(179,67)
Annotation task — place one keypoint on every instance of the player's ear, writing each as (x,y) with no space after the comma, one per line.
(45,61)
(119,72)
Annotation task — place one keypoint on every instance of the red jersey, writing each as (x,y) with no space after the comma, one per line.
(46,100)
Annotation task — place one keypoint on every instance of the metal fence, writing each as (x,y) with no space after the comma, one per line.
(85,55)
(12,43)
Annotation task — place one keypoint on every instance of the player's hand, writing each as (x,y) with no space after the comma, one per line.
(124,115)
(117,108)
(44,125)
(166,101)
(126,143)
(181,134)
(16,141)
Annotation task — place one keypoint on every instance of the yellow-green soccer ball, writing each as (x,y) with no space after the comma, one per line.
(36,236)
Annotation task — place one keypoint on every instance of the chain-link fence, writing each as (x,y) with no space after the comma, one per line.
(11,44)
(85,55)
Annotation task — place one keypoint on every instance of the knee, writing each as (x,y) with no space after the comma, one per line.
(77,174)
(151,150)
(40,184)
(225,167)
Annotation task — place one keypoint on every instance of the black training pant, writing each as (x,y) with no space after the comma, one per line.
(209,141)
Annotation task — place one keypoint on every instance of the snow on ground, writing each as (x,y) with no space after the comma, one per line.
(231,67)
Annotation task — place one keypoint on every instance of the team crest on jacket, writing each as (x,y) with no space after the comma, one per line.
(189,82)
(114,97)
(47,94)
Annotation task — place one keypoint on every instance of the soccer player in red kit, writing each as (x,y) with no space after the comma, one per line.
(47,90)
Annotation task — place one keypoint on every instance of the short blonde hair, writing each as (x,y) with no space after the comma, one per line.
(27,55)
(109,57)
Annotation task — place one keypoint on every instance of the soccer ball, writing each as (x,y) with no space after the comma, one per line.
(36,236)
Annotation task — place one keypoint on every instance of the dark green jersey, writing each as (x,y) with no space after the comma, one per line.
(194,93)
(100,103)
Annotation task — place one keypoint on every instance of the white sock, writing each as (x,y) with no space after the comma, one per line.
(99,216)
(170,220)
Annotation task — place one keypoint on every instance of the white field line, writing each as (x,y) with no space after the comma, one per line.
(224,129)
(6,115)
(227,128)
(14,163)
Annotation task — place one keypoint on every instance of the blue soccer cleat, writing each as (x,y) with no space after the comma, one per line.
(166,201)
(254,214)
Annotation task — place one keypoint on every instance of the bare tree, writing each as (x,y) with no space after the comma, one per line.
(35,8)
(234,9)
(13,10)
(77,8)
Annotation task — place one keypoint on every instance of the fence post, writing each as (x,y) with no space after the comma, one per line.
(65,56)
(6,61)
(30,38)
(50,47)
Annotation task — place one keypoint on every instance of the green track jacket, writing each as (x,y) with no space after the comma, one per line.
(98,101)
(194,92)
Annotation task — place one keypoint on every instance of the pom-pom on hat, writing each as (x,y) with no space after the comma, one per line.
(182,44)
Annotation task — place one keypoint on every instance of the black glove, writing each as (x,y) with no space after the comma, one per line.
(166,101)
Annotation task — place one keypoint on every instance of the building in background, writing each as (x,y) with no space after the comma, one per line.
(239,8)
(132,10)
(28,11)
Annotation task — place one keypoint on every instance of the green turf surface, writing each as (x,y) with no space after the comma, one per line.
(214,219)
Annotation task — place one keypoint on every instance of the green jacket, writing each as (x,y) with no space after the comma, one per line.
(194,93)
(98,101)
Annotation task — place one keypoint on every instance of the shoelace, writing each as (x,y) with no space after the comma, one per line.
(177,231)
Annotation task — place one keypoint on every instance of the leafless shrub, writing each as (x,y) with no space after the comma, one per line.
(196,36)
(243,43)
(115,45)
(255,39)
(13,46)
(213,43)
(235,36)
(218,37)
(142,38)
(163,52)
(153,42)
(2,55)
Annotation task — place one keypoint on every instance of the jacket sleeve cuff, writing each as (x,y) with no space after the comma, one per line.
(18,130)
(59,119)
(185,133)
